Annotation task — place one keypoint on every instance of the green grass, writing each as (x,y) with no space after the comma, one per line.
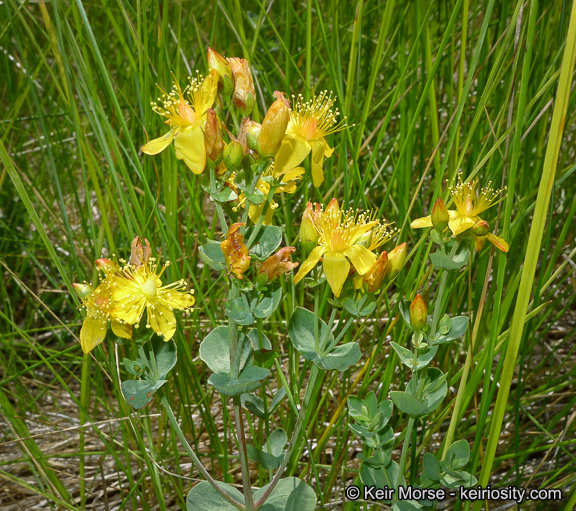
(428,89)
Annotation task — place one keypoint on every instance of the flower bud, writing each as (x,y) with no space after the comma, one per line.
(276,265)
(235,251)
(225,77)
(83,290)
(253,130)
(418,313)
(480,228)
(140,253)
(440,215)
(107,265)
(374,277)
(274,125)
(396,260)
(244,96)
(232,155)
(213,139)
(308,232)
(248,129)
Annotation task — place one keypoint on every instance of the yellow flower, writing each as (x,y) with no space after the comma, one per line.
(338,234)
(309,123)
(469,205)
(187,118)
(135,288)
(98,305)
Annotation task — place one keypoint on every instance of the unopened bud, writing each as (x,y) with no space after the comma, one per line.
(213,139)
(244,96)
(83,290)
(418,313)
(396,260)
(440,215)
(140,253)
(274,125)
(333,210)
(308,232)
(232,155)
(374,277)
(107,265)
(276,265)
(225,77)
(235,251)
(253,130)
(481,228)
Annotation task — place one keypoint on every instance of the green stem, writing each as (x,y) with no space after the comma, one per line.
(241,436)
(219,209)
(195,459)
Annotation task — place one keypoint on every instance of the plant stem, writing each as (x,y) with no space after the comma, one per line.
(219,209)
(241,436)
(195,459)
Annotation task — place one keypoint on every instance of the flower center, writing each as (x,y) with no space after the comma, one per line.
(149,288)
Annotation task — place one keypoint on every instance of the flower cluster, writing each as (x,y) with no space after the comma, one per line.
(125,292)
(465,220)
(344,240)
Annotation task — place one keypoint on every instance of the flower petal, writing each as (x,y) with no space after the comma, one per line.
(162,320)
(307,265)
(459,223)
(121,329)
(336,269)
(420,223)
(159,144)
(189,145)
(176,299)
(205,96)
(361,258)
(498,242)
(92,333)
(320,149)
(292,152)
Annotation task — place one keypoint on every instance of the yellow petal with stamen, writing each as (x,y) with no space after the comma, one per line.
(458,223)
(189,145)
(159,144)
(162,320)
(307,265)
(92,333)
(292,152)
(336,269)
(361,258)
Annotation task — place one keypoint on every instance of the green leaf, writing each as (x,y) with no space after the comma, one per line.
(355,405)
(441,260)
(271,456)
(268,301)
(215,350)
(431,466)
(277,399)
(458,327)
(249,380)
(404,307)
(380,476)
(139,393)
(435,389)
(267,241)
(212,255)
(259,340)
(225,194)
(135,367)
(256,197)
(444,325)
(408,404)
(237,310)
(253,403)
(301,332)
(364,306)
(166,356)
(407,505)
(203,497)
(290,494)
(340,358)
(458,454)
